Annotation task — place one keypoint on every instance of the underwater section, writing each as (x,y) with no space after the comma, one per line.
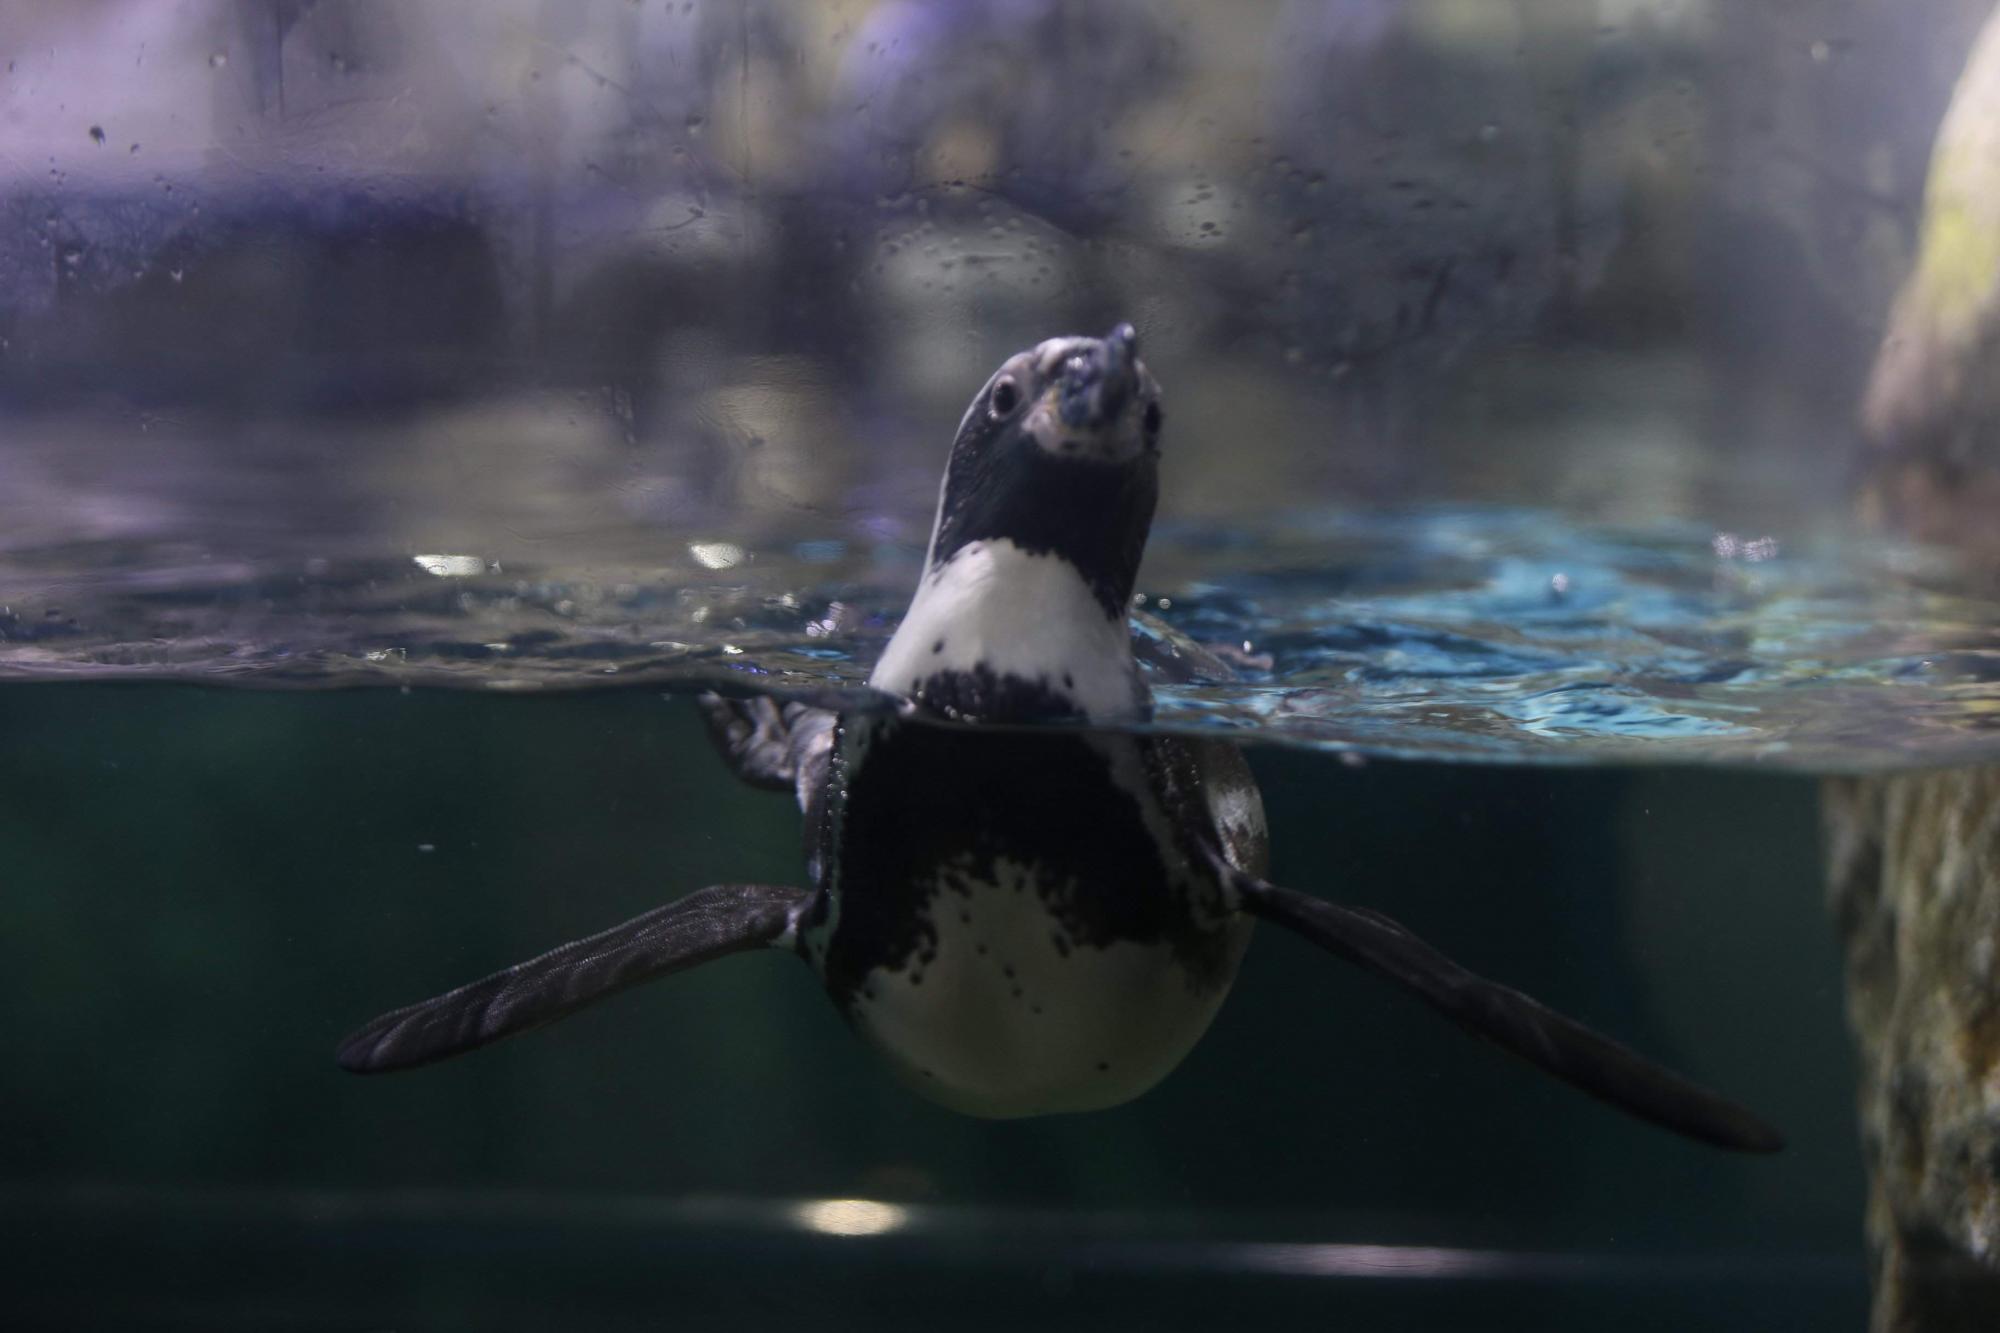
(210,887)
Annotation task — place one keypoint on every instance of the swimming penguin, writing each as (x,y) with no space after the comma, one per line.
(1023,918)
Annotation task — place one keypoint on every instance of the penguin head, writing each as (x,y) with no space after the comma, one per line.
(1058,454)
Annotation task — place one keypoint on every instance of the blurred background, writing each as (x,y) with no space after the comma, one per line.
(614,294)
(524,273)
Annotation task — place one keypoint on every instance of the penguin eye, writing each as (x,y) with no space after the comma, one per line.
(1006,397)
(1151,421)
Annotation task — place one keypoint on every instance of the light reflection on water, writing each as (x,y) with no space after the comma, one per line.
(1496,633)
(1008,1241)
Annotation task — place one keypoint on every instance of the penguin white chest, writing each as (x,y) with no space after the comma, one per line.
(1008,1015)
(995,608)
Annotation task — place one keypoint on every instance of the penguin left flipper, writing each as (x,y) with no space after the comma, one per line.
(704,925)
(1587,1060)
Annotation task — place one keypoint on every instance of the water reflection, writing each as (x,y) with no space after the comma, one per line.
(851,1217)
(1007,1241)
(1453,632)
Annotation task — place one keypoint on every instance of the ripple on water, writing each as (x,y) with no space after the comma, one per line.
(1497,635)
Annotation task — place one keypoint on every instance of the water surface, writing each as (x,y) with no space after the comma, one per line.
(1501,633)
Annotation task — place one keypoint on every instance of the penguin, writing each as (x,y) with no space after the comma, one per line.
(1027,903)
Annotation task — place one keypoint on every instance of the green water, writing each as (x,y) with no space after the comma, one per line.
(204,889)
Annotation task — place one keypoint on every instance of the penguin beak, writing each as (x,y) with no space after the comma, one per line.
(1095,384)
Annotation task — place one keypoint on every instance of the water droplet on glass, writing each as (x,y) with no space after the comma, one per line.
(716,555)
(694,123)
(450,566)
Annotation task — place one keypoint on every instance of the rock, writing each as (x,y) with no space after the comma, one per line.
(1932,406)
(1914,883)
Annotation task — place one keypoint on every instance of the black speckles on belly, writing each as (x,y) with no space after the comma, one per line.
(934,810)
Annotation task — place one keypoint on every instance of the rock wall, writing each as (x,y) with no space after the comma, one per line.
(1914,884)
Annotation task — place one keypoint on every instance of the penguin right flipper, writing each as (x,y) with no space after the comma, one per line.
(1561,1046)
(705,925)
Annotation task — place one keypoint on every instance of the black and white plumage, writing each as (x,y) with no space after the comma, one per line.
(1025,919)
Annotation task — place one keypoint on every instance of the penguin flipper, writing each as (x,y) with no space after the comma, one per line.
(1561,1046)
(768,744)
(752,737)
(706,924)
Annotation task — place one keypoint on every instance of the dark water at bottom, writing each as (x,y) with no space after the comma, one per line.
(204,889)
